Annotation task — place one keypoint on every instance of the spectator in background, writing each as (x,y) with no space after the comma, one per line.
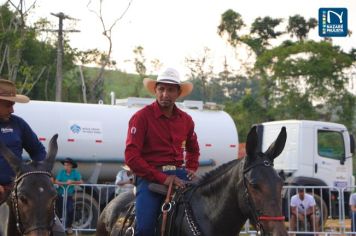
(352,203)
(66,178)
(303,209)
(125,180)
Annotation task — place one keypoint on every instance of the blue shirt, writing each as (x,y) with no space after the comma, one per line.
(63,176)
(17,135)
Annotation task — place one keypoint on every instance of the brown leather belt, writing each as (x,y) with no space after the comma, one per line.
(169,167)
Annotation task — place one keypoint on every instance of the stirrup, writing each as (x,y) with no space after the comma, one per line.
(130,231)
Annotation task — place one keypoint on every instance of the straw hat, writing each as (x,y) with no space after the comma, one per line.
(168,76)
(8,92)
(126,167)
(71,161)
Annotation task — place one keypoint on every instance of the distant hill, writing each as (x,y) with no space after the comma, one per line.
(122,84)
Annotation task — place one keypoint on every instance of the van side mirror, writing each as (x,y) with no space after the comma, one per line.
(352,144)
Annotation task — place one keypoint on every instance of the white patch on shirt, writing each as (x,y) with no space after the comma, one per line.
(133,130)
(7,130)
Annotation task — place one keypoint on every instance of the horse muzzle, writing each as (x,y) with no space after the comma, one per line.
(38,231)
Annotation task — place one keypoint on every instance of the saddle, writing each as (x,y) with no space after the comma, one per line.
(127,225)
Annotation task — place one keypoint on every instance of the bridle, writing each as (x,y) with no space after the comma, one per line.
(257,215)
(14,198)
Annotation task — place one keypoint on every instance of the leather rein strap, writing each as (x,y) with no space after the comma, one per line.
(272,218)
(166,207)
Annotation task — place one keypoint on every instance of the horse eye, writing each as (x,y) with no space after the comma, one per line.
(254,185)
(23,199)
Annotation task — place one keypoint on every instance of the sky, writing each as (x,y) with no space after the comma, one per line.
(172,30)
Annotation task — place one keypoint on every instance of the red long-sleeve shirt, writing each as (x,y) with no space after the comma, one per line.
(155,140)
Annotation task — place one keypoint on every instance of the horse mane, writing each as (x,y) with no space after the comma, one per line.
(211,181)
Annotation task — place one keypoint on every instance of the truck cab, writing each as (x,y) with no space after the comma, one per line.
(316,154)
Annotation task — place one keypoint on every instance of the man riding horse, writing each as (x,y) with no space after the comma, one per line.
(157,137)
(220,202)
(17,135)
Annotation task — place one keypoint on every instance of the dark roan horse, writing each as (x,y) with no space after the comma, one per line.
(30,205)
(220,203)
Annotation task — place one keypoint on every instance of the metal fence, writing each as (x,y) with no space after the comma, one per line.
(331,212)
(88,202)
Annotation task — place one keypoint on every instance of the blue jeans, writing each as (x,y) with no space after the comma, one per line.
(69,210)
(353,221)
(148,204)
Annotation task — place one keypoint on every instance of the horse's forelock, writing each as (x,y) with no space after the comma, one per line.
(37,165)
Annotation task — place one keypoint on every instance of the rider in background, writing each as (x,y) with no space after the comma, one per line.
(303,209)
(66,179)
(17,135)
(156,139)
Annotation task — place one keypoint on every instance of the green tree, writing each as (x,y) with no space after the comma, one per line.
(296,80)
(139,61)
(201,69)
(245,113)
(299,27)
(29,61)
(264,28)
(304,73)
(24,59)
(262,31)
(230,24)
(96,86)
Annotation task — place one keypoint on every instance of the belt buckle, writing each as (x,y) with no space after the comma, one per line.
(168,167)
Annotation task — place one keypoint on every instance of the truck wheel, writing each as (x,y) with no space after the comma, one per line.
(321,210)
(86,211)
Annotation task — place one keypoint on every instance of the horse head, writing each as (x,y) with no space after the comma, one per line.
(32,200)
(264,185)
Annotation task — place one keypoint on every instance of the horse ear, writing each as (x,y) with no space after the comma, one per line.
(277,146)
(10,157)
(252,143)
(52,152)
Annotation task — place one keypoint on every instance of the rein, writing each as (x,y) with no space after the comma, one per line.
(14,197)
(166,207)
(257,217)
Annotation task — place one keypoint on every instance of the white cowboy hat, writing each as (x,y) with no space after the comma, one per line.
(168,76)
(126,167)
(8,92)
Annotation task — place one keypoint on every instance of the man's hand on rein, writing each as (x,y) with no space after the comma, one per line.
(191,174)
(176,181)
